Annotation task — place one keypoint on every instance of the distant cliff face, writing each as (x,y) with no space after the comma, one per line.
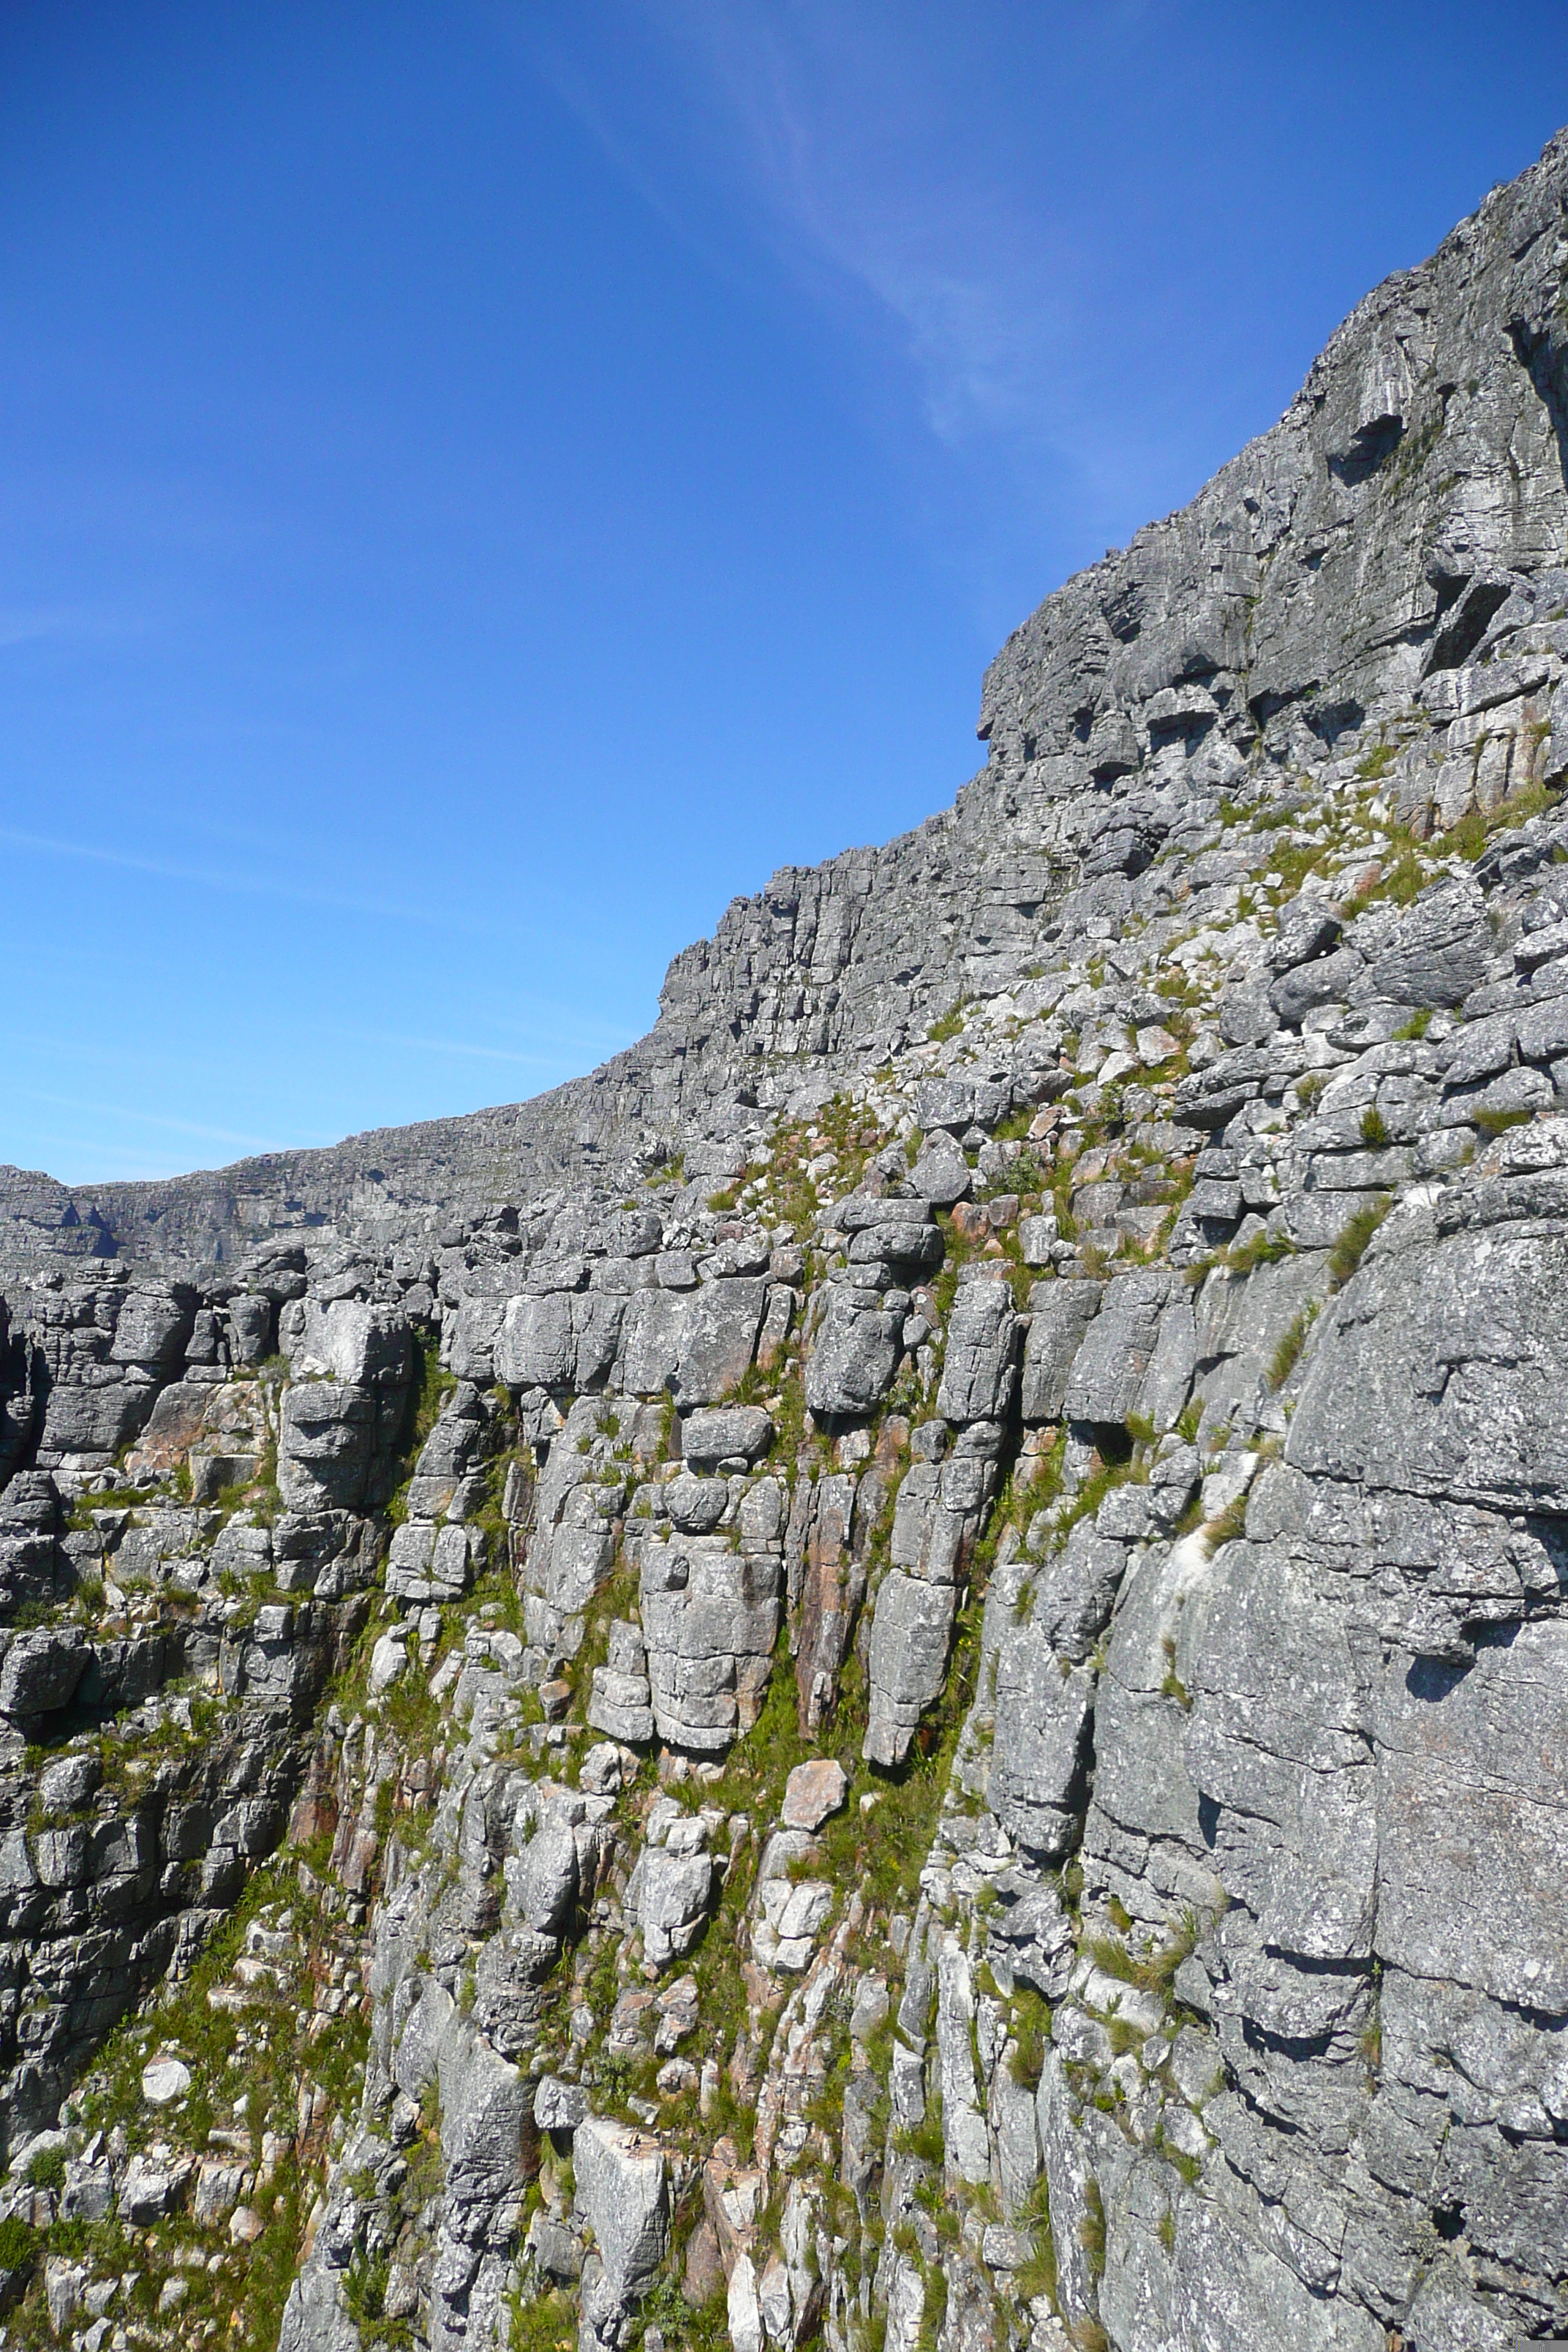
(897,1672)
(1370,536)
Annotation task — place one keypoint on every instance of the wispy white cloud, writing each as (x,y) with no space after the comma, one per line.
(916,161)
(246,885)
(839,115)
(136,1116)
(43,624)
(837,121)
(562,1046)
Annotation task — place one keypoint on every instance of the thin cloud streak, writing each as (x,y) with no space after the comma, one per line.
(537,1061)
(836,128)
(151,1118)
(245,886)
(834,132)
(62,624)
(71,1149)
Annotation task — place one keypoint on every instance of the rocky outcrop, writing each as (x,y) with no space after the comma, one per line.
(895,1670)
(1367,553)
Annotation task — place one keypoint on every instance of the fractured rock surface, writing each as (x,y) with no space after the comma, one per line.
(896,1671)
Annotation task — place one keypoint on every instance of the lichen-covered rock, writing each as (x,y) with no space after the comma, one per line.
(672,1895)
(621,1702)
(325,1446)
(40,1672)
(695,1344)
(942,1175)
(1043,1708)
(1059,1315)
(344,1339)
(908,1661)
(1105,1381)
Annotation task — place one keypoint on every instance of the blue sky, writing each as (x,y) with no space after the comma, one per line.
(486,483)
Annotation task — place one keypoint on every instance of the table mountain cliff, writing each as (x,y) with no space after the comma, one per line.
(897,1672)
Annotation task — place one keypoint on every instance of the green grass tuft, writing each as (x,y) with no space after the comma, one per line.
(1354,1234)
(1230,1524)
(1283,1361)
(1498,1122)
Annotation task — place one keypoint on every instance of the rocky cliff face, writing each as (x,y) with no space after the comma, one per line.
(897,1672)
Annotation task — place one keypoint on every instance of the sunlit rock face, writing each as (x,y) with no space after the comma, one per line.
(898,1671)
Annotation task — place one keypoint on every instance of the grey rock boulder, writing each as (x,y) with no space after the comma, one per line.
(623,2196)
(710,1617)
(1309,931)
(1043,1710)
(695,1504)
(1059,1315)
(1108,1370)
(485,2103)
(854,1356)
(910,1632)
(743,1432)
(1435,954)
(673,1891)
(542,1880)
(343,1340)
(980,1372)
(559,2106)
(1328,980)
(942,1175)
(695,1344)
(325,1445)
(42,1671)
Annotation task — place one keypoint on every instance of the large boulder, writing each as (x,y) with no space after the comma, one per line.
(1441,1368)
(942,1175)
(694,1344)
(153,1327)
(345,1339)
(542,1880)
(1433,953)
(623,2196)
(979,1370)
(325,1445)
(673,1891)
(1107,1376)
(908,1663)
(559,1338)
(486,2105)
(41,1671)
(736,1432)
(536,1346)
(854,1354)
(1059,1315)
(814,1792)
(620,1703)
(1037,1764)
(710,1617)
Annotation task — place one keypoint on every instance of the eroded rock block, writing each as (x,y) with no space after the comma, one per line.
(709,1619)
(854,1354)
